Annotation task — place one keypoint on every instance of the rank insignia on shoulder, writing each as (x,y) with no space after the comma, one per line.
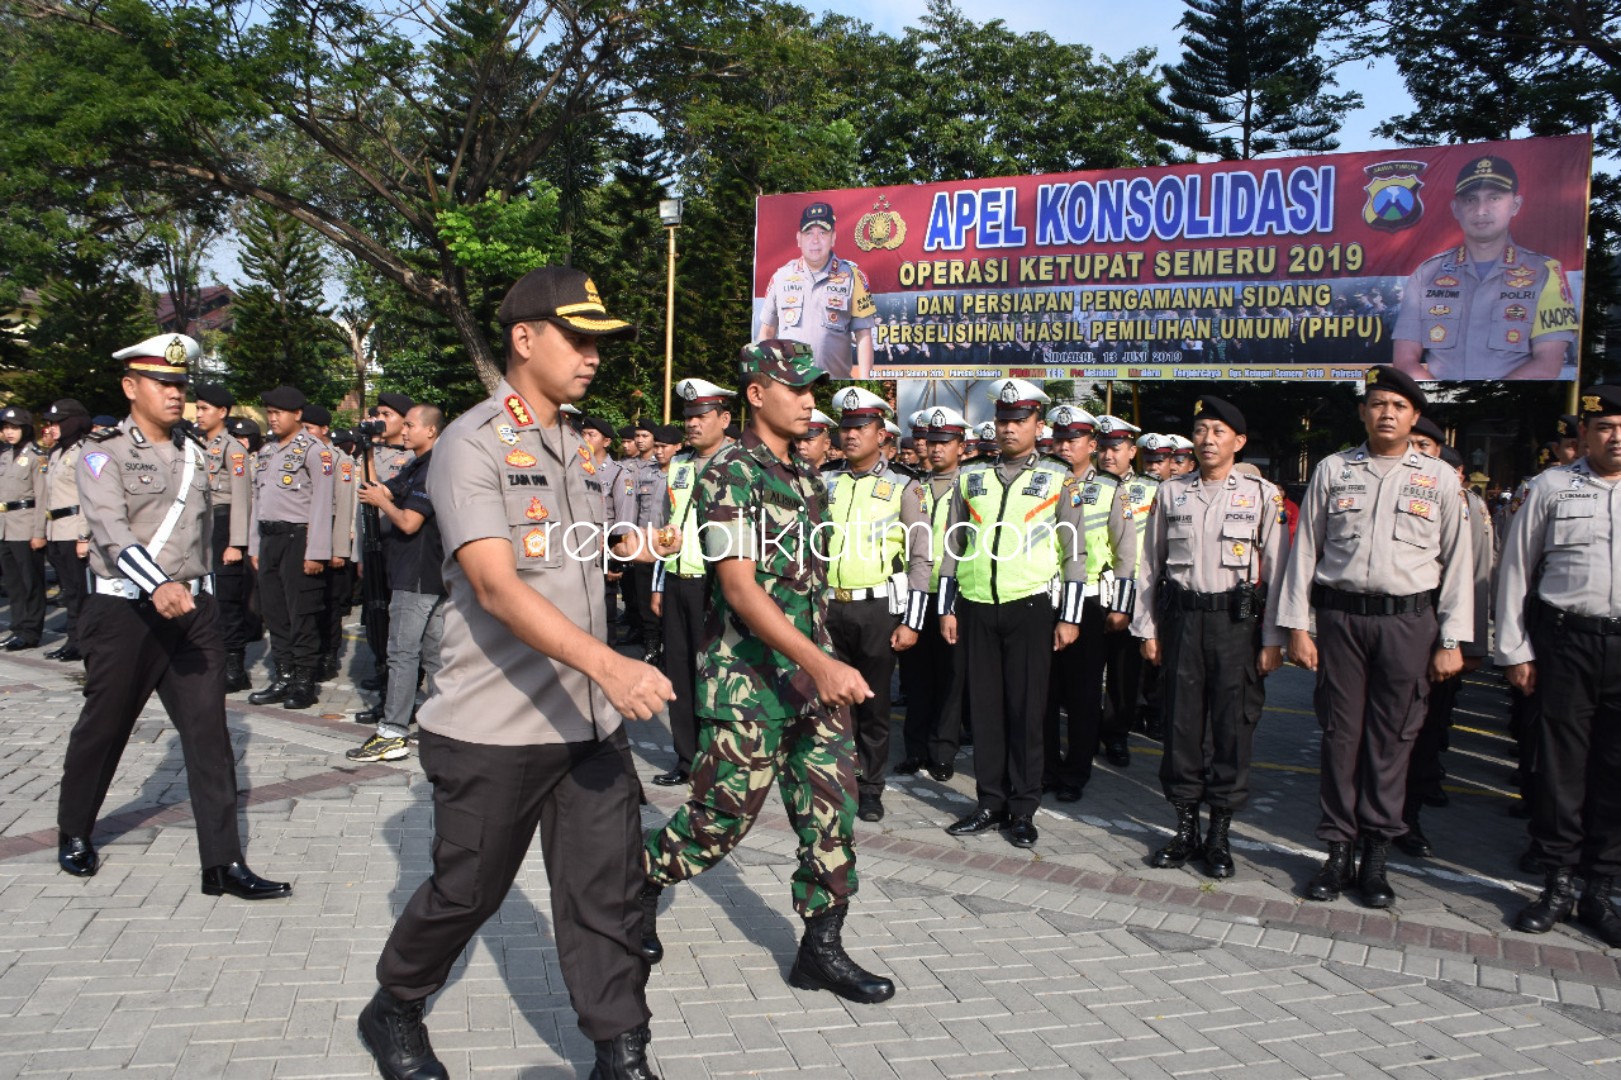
(586,463)
(518,410)
(520,458)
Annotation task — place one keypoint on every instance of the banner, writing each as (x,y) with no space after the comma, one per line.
(1456,262)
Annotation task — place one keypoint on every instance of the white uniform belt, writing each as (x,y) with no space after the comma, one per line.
(844,596)
(128,590)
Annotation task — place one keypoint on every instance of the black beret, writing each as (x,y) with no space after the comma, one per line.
(669,434)
(319,415)
(627,432)
(1430,430)
(215,395)
(643,425)
(1211,407)
(1452,457)
(399,402)
(1565,428)
(1599,401)
(733,431)
(15,416)
(61,410)
(243,425)
(597,423)
(1388,378)
(286,398)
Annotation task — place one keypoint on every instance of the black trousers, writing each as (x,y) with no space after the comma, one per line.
(24,570)
(639,600)
(231,583)
(337,586)
(1525,724)
(1123,666)
(683,626)
(932,678)
(1372,689)
(291,600)
(130,650)
(1576,815)
(1424,770)
(1076,686)
(1009,649)
(860,631)
(487,802)
(1213,694)
(70,575)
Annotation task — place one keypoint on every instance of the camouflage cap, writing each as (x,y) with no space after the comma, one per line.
(791,363)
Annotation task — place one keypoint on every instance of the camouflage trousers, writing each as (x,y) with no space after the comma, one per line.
(812,757)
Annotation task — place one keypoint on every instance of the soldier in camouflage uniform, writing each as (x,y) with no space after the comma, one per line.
(772,700)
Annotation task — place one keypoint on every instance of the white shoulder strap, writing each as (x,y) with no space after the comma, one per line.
(172,518)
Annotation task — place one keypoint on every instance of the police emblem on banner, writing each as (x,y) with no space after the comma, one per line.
(1393,195)
(882,229)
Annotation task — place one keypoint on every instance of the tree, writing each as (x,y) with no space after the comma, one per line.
(1250,84)
(282,336)
(80,319)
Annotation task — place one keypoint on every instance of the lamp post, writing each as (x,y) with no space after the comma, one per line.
(670,215)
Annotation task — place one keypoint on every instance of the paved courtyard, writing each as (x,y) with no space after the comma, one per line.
(1074,959)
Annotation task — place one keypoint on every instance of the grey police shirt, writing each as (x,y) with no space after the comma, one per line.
(22,477)
(293,482)
(229,465)
(127,485)
(62,493)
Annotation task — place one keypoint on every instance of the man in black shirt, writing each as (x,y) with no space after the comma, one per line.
(413,554)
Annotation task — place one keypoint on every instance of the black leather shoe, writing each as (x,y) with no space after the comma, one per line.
(1413,842)
(1438,797)
(1218,852)
(676,777)
(56,653)
(75,855)
(909,767)
(1595,911)
(652,949)
(1068,793)
(1021,832)
(236,673)
(272,694)
(624,1057)
(17,644)
(1118,752)
(1552,907)
(1184,843)
(941,773)
(871,808)
(394,1033)
(301,692)
(977,822)
(242,883)
(69,654)
(372,716)
(1334,875)
(1371,880)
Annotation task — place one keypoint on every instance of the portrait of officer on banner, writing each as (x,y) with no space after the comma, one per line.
(822,300)
(1488,308)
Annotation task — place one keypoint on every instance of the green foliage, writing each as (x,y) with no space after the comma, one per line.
(1249,82)
(79,321)
(503,239)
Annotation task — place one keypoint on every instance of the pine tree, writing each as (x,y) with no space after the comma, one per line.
(1249,83)
(283,334)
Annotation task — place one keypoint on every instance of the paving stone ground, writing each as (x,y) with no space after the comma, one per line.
(1073,960)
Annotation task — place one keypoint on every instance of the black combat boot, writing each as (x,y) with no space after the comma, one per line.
(236,672)
(624,1057)
(394,1033)
(1218,856)
(301,690)
(329,668)
(1552,907)
(273,694)
(1370,877)
(1335,874)
(1185,844)
(1595,911)
(652,948)
(822,963)
(1413,842)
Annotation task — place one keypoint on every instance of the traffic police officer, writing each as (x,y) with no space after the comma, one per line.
(67,539)
(1487,309)
(822,300)
(706,409)
(22,512)
(1559,634)
(1181,456)
(1076,685)
(934,694)
(1382,556)
(772,695)
(290,545)
(1156,453)
(1122,662)
(231,495)
(877,575)
(1014,540)
(1217,548)
(151,623)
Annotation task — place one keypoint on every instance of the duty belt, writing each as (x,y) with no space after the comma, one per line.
(20,504)
(128,590)
(58,515)
(281,528)
(1582,624)
(1188,600)
(1324,596)
(845,596)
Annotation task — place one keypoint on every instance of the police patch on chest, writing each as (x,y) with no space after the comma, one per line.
(976,484)
(534,544)
(1039,484)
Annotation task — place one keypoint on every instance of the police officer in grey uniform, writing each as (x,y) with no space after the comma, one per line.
(524,728)
(645,479)
(231,494)
(1382,556)
(1559,635)
(290,545)
(67,537)
(822,300)
(22,511)
(388,452)
(1216,549)
(338,581)
(150,622)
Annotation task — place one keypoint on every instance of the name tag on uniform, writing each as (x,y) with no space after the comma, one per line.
(976,484)
(681,483)
(1038,485)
